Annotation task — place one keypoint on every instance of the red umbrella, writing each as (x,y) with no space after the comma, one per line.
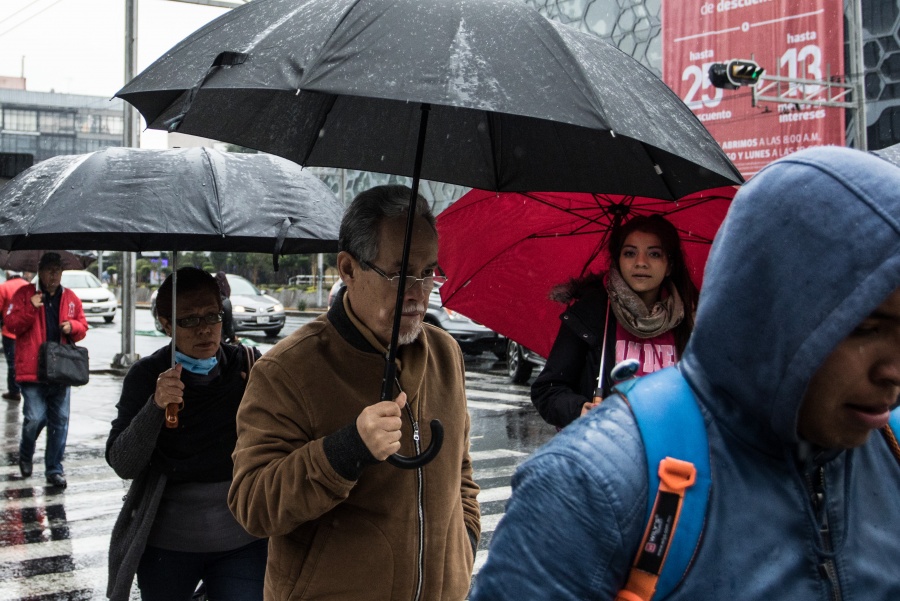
(502,253)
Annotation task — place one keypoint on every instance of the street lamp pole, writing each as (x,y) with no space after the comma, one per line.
(132,138)
(858,71)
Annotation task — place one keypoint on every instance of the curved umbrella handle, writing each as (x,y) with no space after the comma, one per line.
(411,463)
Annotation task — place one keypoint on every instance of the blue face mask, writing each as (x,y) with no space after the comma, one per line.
(196,366)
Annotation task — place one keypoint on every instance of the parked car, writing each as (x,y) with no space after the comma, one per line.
(473,338)
(95,298)
(251,310)
(521,361)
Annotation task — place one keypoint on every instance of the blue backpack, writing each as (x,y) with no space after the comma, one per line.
(677,451)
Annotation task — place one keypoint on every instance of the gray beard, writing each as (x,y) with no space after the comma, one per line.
(410,336)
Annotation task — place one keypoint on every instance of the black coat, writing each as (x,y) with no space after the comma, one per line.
(569,378)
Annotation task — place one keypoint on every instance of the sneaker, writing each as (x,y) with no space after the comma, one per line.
(12,396)
(57,480)
(25,467)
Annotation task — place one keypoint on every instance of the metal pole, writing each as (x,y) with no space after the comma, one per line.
(132,138)
(320,279)
(858,72)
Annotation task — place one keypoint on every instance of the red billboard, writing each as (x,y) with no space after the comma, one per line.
(793,39)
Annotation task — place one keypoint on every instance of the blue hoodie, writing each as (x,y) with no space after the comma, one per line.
(810,247)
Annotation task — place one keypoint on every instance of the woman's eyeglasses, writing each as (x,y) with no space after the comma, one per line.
(194,321)
(427,281)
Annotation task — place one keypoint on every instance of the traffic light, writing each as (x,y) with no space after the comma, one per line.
(734,73)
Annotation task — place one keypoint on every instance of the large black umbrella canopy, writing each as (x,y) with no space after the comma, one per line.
(517,102)
(133,199)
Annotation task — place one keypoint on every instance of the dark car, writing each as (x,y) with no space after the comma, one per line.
(521,361)
(251,310)
(473,338)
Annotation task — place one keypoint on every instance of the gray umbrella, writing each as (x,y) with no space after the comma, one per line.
(183,199)
(131,199)
(487,94)
(890,154)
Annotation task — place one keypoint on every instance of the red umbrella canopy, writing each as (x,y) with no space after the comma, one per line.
(502,253)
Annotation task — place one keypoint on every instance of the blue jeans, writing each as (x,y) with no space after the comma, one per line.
(236,575)
(45,405)
(9,349)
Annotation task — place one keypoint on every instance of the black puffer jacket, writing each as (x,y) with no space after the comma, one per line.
(569,378)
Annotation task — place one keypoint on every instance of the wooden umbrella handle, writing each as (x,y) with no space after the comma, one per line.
(172,410)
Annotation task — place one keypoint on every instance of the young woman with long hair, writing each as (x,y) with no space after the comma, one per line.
(641,308)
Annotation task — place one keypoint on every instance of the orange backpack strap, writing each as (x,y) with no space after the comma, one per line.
(679,479)
(675,477)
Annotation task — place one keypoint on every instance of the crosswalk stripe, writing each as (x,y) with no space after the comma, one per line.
(489,495)
(474,393)
(487,473)
(57,582)
(72,502)
(494,454)
(491,406)
(80,545)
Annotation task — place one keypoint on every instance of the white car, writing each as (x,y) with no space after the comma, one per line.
(96,300)
(251,310)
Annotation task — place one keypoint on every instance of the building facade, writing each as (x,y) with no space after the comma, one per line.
(46,124)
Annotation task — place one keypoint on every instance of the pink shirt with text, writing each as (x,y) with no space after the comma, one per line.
(652,353)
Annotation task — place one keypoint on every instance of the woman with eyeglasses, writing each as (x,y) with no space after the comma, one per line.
(175,529)
(642,308)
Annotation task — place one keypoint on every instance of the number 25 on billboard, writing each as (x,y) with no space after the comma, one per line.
(697,96)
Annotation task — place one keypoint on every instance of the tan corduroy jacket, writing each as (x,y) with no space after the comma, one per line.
(387,535)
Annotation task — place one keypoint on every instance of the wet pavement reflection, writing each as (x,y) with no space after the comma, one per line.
(53,543)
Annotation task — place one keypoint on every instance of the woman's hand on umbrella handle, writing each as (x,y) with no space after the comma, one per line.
(588,406)
(169,394)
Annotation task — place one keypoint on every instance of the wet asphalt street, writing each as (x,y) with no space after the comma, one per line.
(53,544)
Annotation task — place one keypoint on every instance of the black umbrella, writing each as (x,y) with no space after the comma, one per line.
(184,199)
(131,199)
(516,102)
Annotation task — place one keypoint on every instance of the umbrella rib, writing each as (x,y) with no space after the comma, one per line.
(215,187)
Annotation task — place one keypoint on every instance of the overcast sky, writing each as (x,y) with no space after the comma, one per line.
(77,46)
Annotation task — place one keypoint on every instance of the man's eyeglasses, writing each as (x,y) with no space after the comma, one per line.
(193,322)
(427,281)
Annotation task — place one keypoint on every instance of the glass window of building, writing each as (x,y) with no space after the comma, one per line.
(19,144)
(54,122)
(20,120)
(50,146)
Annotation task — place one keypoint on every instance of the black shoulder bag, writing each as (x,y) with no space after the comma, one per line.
(63,364)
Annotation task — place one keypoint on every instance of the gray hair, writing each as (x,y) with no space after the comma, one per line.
(359,227)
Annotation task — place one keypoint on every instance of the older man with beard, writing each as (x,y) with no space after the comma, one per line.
(309,467)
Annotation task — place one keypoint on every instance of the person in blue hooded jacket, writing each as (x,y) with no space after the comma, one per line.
(795,362)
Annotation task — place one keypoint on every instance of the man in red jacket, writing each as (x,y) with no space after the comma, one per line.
(7,290)
(34,316)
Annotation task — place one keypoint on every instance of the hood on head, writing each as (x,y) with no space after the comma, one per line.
(810,246)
